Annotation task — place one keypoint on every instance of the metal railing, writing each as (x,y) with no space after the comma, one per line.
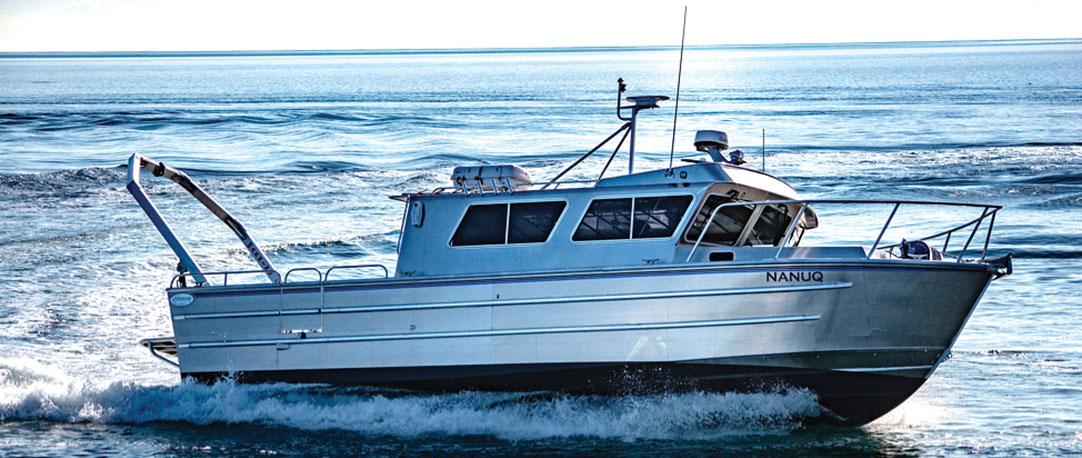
(386,273)
(988,212)
(182,279)
(323,277)
(531,186)
(319,274)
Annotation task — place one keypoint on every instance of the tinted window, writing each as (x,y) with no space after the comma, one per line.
(532,222)
(770,228)
(482,225)
(658,216)
(726,226)
(606,220)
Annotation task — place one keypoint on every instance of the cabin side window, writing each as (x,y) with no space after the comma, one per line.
(492,225)
(726,226)
(611,219)
(482,225)
(533,222)
(606,219)
(657,217)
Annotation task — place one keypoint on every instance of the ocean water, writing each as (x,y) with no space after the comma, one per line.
(305,149)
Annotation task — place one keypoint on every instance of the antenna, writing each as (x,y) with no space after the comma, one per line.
(679,75)
(764,151)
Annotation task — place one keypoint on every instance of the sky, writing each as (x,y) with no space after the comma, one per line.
(224,25)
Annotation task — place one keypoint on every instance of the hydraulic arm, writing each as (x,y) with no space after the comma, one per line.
(187,263)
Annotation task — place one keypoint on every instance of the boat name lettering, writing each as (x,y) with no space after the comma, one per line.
(795,276)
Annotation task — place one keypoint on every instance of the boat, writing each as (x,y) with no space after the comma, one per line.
(685,278)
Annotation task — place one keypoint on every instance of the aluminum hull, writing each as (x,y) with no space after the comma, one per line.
(863,335)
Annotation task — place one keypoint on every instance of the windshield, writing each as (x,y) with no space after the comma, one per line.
(729,222)
(726,226)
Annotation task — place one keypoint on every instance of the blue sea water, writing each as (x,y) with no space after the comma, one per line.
(305,148)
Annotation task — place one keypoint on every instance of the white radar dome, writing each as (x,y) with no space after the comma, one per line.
(713,142)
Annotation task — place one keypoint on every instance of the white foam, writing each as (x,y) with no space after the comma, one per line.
(29,391)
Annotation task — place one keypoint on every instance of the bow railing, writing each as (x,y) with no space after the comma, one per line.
(988,212)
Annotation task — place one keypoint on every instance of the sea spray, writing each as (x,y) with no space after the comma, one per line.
(32,392)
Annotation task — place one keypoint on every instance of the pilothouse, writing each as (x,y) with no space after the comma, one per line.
(691,277)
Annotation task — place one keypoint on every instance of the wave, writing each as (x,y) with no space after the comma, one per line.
(96,181)
(1043,239)
(65,183)
(1038,245)
(1025,253)
(1037,253)
(92,180)
(323,166)
(352,248)
(30,392)
(160,119)
(1054,178)
(1068,201)
(806,149)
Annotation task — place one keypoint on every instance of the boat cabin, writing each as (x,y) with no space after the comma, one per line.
(494,220)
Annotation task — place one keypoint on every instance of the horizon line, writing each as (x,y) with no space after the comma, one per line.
(566,49)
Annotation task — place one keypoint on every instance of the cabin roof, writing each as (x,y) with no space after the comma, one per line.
(697,173)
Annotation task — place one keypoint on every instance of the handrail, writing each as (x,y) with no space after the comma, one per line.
(533,185)
(302,269)
(324,276)
(386,273)
(702,232)
(224,273)
(884,231)
(149,343)
(947,233)
(988,211)
(971,234)
(792,227)
(988,236)
(867,201)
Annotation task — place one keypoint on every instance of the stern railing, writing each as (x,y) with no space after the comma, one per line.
(181,280)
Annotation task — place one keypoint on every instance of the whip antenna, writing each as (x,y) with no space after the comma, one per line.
(679,75)
(763,154)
